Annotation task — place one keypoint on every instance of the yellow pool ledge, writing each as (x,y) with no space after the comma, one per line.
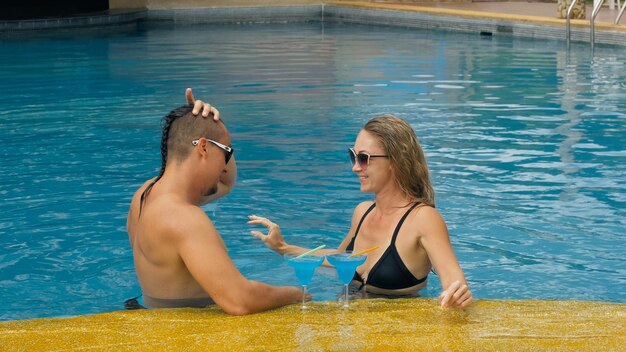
(368,325)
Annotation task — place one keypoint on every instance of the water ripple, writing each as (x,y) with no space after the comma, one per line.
(525,146)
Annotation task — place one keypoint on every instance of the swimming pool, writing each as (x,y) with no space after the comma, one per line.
(525,143)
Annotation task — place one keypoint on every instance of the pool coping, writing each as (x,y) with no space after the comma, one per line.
(404,15)
(104,18)
(368,325)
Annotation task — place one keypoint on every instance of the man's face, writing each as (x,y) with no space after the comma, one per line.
(220,153)
(211,191)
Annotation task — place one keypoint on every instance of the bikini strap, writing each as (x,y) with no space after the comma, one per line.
(397,230)
(363,219)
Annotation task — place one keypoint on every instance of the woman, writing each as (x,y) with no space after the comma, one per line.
(402,220)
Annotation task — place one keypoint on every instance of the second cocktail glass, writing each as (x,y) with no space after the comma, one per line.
(304,268)
(346,265)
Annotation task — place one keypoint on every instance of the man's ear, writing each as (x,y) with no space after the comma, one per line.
(201,147)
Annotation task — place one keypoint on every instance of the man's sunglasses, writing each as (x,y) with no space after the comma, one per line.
(362,158)
(228,151)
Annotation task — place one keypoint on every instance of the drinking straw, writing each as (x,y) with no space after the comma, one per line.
(364,251)
(311,251)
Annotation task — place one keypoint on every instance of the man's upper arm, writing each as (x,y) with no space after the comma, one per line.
(205,256)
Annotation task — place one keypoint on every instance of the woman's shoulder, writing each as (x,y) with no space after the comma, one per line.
(426,209)
(363,206)
(426,218)
(426,212)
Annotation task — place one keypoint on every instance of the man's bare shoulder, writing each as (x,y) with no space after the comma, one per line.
(133,210)
(178,219)
(134,204)
(141,189)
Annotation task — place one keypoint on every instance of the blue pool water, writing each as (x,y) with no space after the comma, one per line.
(525,142)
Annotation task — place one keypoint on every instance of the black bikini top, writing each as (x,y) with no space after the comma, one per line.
(389,272)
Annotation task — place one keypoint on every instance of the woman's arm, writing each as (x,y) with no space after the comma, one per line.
(436,241)
(275,241)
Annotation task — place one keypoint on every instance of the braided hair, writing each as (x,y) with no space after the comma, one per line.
(168,120)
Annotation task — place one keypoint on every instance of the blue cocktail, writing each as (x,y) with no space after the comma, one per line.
(305,268)
(346,265)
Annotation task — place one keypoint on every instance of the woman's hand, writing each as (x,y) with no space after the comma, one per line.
(274,239)
(456,296)
(200,105)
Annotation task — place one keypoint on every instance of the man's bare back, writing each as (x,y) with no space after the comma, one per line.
(155,248)
(179,255)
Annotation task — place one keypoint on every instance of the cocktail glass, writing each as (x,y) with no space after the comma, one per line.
(346,265)
(304,268)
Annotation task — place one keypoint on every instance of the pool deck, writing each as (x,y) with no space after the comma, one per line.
(517,18)
(536,10)
(540,13)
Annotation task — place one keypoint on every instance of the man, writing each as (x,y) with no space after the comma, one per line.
(180,258)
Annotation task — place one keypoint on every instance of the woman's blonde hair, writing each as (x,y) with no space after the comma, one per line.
(406,156)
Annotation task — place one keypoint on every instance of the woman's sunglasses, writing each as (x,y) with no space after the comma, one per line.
(228,151)
(362,158)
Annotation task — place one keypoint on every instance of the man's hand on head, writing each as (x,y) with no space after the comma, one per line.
(199,105)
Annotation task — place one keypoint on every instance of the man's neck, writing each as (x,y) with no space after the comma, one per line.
(180,181)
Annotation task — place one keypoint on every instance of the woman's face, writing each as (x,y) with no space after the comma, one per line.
(376,173)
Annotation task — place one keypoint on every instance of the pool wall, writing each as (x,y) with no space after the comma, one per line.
(97,20)
(341,11)
(180,4)
(238,14)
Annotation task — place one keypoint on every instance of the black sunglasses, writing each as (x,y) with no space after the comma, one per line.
(362,158)
(228,151)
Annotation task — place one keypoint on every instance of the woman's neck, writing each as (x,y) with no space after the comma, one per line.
(391,199)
